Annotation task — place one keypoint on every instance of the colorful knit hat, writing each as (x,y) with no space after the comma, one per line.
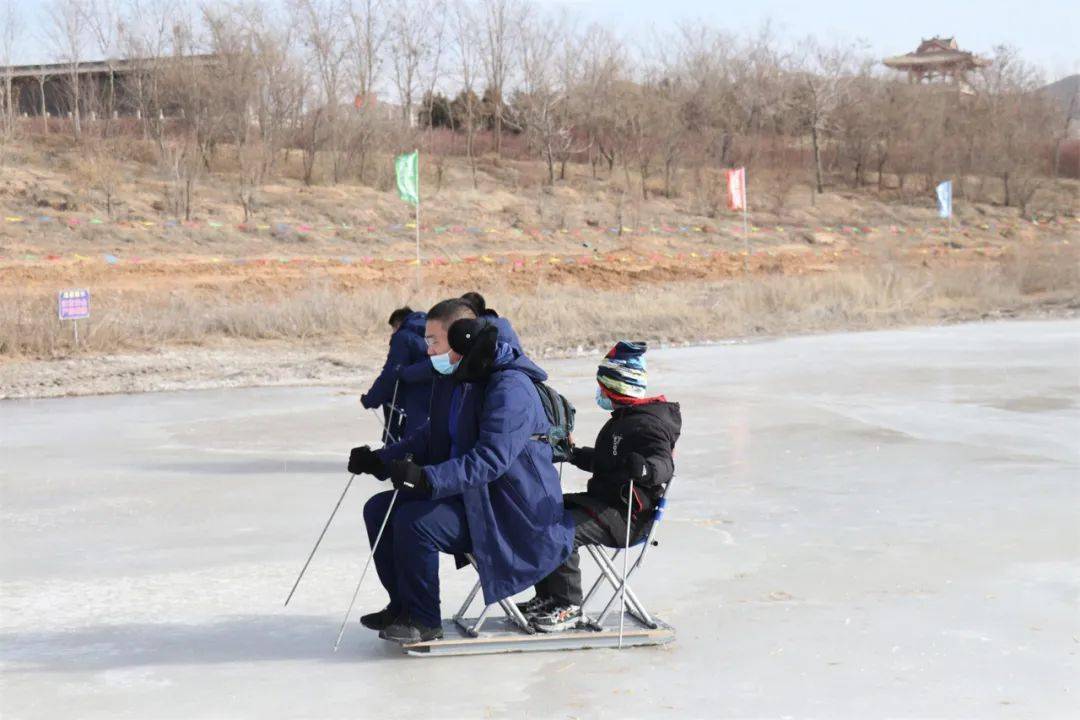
(622,372)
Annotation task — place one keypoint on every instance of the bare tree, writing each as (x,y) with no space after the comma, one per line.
(762,77)
(1072,111)
(539,107)
(708,64)
(192,86)
(68,35)
(42,77)
(416,32)
(463,28)
(257,93)
(102,23)
(143,37)
(633,130)
(367,35)
(889,117)
(856,123)
(325,36)
(821,86)
(10,27)
(500,20)
(100,169)
(595,97)
(1015,124)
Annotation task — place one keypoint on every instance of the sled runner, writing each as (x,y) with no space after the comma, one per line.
(503,636)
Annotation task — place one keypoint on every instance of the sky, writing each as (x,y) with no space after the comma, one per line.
(1047,32)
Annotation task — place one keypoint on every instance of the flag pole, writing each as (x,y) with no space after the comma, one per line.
(745,203)
(417,151)
(745,226)
(949,232)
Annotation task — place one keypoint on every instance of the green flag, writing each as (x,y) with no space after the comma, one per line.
(408,176)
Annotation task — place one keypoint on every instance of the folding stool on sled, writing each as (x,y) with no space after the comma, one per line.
(512,633)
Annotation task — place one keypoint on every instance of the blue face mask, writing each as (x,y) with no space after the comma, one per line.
(604,401)
(442,363)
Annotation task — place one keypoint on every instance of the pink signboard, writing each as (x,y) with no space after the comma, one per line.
(74,304)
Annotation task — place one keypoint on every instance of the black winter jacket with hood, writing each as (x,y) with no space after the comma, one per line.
(649,430)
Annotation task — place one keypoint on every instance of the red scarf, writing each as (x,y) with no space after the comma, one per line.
(618,399)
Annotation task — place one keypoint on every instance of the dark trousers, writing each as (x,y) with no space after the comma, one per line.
(564,584)
(407,559)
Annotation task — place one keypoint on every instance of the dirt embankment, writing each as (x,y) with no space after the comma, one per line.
(301,292)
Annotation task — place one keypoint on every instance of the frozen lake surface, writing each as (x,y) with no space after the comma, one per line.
(863,526)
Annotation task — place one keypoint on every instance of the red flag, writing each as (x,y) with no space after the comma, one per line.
(736,188)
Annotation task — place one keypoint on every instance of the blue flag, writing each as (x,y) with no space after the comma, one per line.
(944,199)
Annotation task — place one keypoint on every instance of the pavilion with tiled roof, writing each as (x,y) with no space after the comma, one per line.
(937,58)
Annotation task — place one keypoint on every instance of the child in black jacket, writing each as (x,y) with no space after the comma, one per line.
(637,442)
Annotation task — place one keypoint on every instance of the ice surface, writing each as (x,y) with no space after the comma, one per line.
(863,525)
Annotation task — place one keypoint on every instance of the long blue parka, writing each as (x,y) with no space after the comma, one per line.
(506,479)
(407,347)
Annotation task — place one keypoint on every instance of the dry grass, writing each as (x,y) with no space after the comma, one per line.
(120,321)
(559,317)
(858,299)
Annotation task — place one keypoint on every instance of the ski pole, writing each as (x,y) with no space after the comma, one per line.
(626,554)
(366,566)
(386,429)
(393,406)
(325,527)
(374,546)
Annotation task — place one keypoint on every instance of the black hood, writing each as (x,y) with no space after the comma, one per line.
(666,413)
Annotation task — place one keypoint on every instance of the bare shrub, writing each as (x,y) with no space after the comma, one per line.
(708,194)
(776,187)
(101,171)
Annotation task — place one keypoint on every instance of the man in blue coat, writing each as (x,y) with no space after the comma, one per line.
(408,411)
(473,479)
(423,371)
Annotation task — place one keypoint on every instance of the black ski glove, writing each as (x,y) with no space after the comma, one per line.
(637,469)
(409,478)
(364,460)
(582,458)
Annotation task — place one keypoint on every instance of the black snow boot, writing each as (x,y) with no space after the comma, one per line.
(533,606)
(406,630)
(379,620)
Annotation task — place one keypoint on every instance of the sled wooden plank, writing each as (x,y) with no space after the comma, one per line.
(499,636)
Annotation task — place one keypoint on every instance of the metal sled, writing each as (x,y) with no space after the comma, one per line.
(503,636)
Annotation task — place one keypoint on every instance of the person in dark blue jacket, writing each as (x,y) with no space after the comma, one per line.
(421,371)
(408,411)
(473,479)
(506,330)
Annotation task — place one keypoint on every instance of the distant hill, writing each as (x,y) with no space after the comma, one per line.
(1067,92)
